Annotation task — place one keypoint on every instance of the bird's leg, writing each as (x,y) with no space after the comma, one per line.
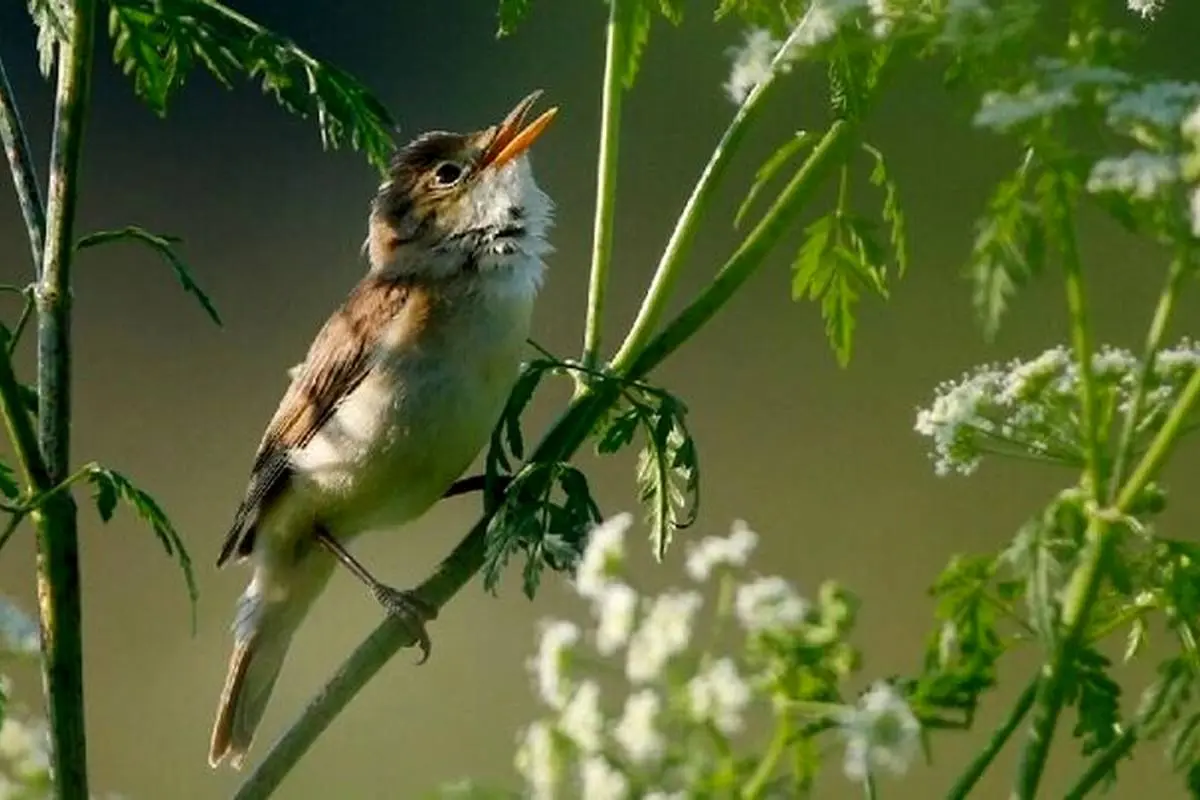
(478,483)
(411,609)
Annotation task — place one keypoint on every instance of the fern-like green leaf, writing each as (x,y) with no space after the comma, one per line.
(52,18)
(156,42)
(110,486)
(512,13)
(164,245)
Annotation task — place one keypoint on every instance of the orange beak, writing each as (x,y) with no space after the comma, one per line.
(514,137)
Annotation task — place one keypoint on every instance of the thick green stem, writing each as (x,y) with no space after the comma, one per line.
(1084,584)
(1081,341)
(1081,593)
(823,160)
(1103,764)
(770,760)
(615,56)
(58,546)
(1162,445)
(1154,339)
(980,764)
(670,264)
(16,147)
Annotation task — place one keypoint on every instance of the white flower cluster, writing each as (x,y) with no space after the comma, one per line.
(1031,408)
(597,750)
(1060,85)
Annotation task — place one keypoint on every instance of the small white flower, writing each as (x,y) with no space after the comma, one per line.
(599,781)
(1147,8)
(719,695)
(616,612)
(604,552)
(823,19)
(537,761)
(1163,104)
(664,633)
(713,551)
(549,665)
(636,732)
(769,604)
(582,721)
(751,64)
(1141,174)
(881,733)
(1002,111)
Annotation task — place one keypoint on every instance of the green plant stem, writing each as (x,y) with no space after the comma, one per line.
(17,423)
(1081,341)
(615,56)
(1081,592)
(20,164)
(1162,445)
(60,607)
(670,264)
(980,764)
(1103,764)
(20,512)
(1154,339)
(794,197)
(23,320)
(770,760)
(1084,584)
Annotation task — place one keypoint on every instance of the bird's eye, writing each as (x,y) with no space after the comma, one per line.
(447,174)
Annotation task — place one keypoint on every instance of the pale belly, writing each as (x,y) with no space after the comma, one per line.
(412,427)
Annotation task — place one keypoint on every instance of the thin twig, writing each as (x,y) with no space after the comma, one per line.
(16,147)
(59,602)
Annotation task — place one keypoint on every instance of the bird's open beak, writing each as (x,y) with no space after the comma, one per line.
(514,138)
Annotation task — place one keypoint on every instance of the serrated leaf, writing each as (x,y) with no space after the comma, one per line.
(1135,641)
(637,37)
(1184,745)
(893,214)
(1031,557)
(1097,697)
(53,21)
(667,473)
(618,432)
(111,486)
(1009,250)
(786,152)
(672,10)
(164,245)
(512,13)
(156,43)
(1163,701)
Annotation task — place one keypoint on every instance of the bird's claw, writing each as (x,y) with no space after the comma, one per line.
(412,611)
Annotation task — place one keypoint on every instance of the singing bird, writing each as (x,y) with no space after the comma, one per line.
(397,395)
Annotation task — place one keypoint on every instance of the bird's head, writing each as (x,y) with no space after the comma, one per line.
(456,202)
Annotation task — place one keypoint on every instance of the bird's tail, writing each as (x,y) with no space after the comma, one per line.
(268,614)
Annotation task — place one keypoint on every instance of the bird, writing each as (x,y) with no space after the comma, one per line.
(397,395)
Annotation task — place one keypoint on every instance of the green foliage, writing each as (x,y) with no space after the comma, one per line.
(770,169)
(111,487)
(511,13)
(157,42)
(1010,245)
(52,19)
(547,508)
(164,245)
(668,470)
(839,260)
(9,487)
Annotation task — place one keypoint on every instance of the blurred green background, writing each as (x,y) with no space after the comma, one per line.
(822,461)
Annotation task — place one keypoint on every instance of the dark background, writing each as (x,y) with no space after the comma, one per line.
(822,461)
